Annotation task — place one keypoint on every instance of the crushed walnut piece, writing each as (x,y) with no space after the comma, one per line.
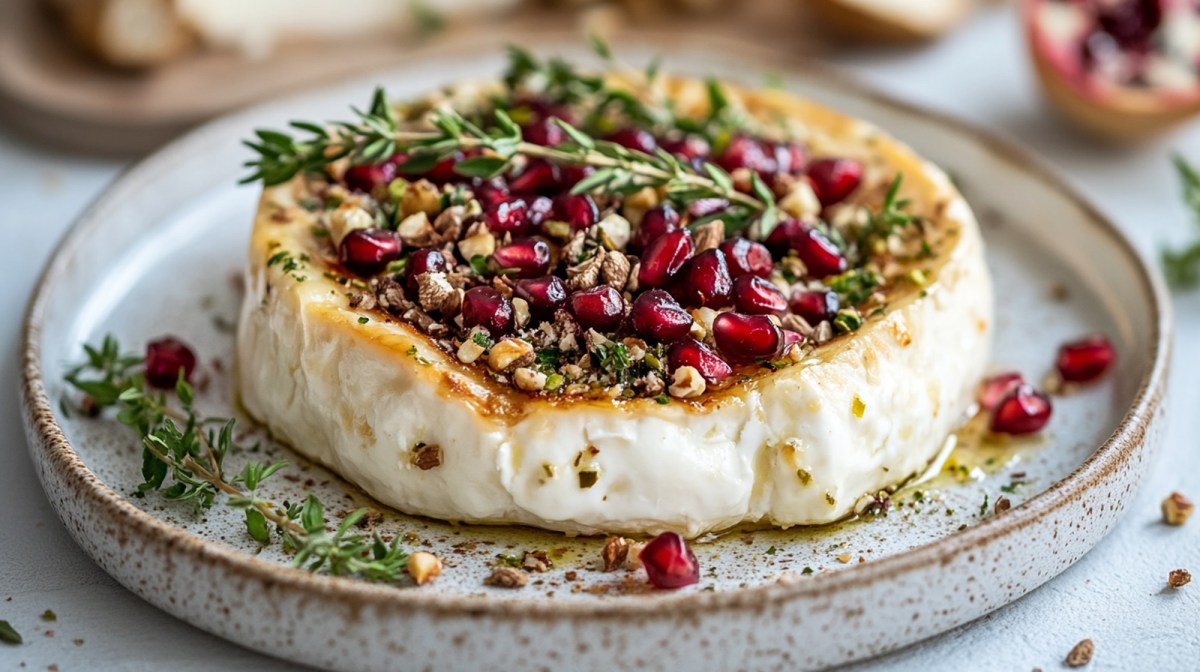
(615,552)
(506,577)
(1081,654)
(1176,509)
(426,456)
(536,561)
(1003,504)
(1179,578)
(424,567)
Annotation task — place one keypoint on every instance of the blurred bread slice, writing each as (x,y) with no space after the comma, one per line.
(144,33)
(127,33)
(891,20)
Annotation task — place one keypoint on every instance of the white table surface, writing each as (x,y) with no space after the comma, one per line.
(1115,595)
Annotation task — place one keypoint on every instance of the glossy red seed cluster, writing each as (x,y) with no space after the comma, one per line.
(669,562)
(531,213)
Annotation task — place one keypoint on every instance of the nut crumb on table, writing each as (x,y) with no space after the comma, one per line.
(1179,578)
(1081,654)
(1176,509)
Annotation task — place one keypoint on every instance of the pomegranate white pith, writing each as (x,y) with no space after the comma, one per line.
(797,446)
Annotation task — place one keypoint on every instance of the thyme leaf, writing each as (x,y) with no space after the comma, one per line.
(1182,266)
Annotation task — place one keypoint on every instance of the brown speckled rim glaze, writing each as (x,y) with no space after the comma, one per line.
(54,453)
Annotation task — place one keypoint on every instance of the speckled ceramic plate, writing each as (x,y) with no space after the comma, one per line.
(159,252)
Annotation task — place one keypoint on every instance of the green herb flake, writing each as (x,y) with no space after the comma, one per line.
(482,339)
(806,571)
(49,616)
(772,550)
(1182,266)
(364,320)
(8,634)
(858,406)
(983,508)
(662,399)
(587,478)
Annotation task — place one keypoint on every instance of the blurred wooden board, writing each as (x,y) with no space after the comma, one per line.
(50,91)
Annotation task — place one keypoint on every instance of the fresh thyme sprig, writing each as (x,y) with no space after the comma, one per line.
(189,450)
(1182,267)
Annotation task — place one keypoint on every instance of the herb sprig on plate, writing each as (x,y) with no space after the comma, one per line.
(183,455)
(1182,267)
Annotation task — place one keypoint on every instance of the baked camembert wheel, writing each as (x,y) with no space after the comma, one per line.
(626,303)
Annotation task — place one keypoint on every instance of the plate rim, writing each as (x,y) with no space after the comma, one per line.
(50,448)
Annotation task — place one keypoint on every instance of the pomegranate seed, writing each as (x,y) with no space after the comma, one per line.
(366,252)
(746,257)
(423,261)
(1130,22)
(600,308)
(791,338)
(634,138)
(704,281)
(530,258)
(703,207)
(544,295)
(746,338)
(754,296)
(490,193)
(486,307)
(166,358)
(571,175)
(815,306)
(820,256)
(367,178)
(834,179)
(791,157)
(664,257)
(1023,411)
(657,315)
(690,352)
(746,152)
(669,562)
(539,177)
(1085,360)
(779,240)
(509,215)
(656,223)
(692,149)
(544,132)
(443,171)
(540,208)
(578,210)
(996,388)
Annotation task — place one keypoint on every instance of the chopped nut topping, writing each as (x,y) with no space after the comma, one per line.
(423,567)
(529,379)
(536,561)
(520,312)
(844,558)
(421,196)
(481,244)
(616,230)
(687,383)
(801,201)
(1082,654)
(416,230)
(1003,504)
(470,351)
(510,353)
(506,577)
(586,274)
(1179,578)
(615,270)
(709,236)
(347,218)
(426,456)
(823,332)
(616,551)
(435,293)
(1176,509)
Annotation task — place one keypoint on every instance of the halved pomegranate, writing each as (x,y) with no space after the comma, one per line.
(704,281)
(544,295)
(1122,68)
(656,315)
(754,296)
(746,338)
(669,562)
(1023,411)
(1085,360)
(527,258)
(486,307)
(366,252)
(166,359)
(690,352)
(664,257)
(601,308)
(994,389)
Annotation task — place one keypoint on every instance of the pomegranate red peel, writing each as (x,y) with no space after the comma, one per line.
(669,562)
